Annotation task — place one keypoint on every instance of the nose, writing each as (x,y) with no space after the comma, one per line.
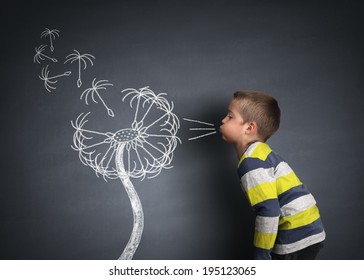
(223,120)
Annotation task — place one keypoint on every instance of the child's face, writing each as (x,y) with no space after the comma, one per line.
(232,125)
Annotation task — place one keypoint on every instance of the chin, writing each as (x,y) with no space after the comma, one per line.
(223,136)
(225,139)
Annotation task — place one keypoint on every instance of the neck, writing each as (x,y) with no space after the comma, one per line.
(241,148)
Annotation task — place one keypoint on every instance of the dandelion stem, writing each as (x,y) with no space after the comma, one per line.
(109,111)
(136,110)
(60,75)
(50,58)
(146,113)
(157,120)
(92,146)
(91,131)
(79,82)
(52,48)
(136,205)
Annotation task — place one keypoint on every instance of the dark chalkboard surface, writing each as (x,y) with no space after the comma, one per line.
(308,55)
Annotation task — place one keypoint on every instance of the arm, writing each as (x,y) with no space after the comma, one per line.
(259,184)
(266,227)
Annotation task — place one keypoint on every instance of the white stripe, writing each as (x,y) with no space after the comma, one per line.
(251,149)
(256,177)
(266,224)
(282,249)
(282,169)
(298,205)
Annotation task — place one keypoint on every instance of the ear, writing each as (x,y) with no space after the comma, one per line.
(251,128)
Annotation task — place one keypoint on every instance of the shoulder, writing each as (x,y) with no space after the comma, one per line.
(258,155)
(257,150)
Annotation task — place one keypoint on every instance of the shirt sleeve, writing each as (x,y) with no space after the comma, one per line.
(259,184)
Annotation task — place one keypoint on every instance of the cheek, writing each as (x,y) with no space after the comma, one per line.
(225,130)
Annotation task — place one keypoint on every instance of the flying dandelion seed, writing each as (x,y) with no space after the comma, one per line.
(142,150)
(39,55)
(209,129)
(82,59)
(49,82)
(52,34)
(94,90)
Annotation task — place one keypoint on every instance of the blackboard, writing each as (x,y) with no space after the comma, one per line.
(308,55)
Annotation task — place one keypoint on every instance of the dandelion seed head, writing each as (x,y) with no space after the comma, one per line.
(149,142)
(125,135)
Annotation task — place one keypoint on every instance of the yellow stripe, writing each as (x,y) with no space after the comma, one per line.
(261,151)
(261,192)
(264,240)
(244,156)
(301,219)
(284,183)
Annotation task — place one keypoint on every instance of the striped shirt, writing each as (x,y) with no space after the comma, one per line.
(287,218)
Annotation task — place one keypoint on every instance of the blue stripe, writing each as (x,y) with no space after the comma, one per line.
(261,254)
(273,159)
(250,164)
(293,235)
(292,194)
(268,208)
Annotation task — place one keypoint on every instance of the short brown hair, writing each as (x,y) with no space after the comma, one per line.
(260,108)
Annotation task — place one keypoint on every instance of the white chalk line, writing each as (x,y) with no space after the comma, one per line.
(196,121)
(200,136)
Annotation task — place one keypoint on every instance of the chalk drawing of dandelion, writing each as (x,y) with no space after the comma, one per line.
(82,59)
(94,90)
(50,81)
(207,129)
(39,55)
(141,150)
(52,34)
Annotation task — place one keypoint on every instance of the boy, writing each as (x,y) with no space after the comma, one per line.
(288,223)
